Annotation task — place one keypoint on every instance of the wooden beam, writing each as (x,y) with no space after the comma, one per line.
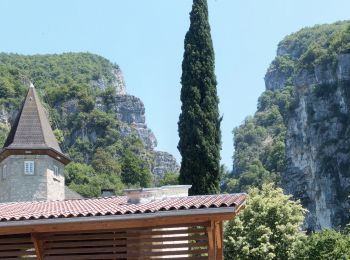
(219,240)
(38,245)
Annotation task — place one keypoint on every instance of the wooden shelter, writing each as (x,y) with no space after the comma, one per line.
(112,228)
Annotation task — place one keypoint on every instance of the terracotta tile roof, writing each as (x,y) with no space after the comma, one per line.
(31,129)
(111,206)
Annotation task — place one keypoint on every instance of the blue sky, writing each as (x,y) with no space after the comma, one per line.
(145,38)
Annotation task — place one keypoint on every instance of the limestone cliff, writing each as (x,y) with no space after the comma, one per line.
(317,163)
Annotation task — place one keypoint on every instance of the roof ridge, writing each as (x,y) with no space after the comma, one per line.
(37,108)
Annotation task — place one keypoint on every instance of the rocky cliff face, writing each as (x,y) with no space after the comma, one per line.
(130,111)
(164,163)
(318,132)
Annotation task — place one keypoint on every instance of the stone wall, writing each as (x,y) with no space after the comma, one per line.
(43,185)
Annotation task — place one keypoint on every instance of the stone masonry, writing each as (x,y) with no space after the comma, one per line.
(42,185)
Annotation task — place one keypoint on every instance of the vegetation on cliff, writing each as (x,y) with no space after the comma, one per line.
(260,141)
(69,85)
(199,123)
(312,46)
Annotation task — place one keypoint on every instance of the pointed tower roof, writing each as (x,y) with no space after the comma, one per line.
(31,131)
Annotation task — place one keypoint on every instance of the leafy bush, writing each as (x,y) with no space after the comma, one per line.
(326,244)
(268,227)
(170,178)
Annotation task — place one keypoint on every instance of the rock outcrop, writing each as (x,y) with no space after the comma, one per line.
(117,82)
(318,135)
(163,163)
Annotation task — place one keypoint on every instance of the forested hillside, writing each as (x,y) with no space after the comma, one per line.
(99,126)
(299,138)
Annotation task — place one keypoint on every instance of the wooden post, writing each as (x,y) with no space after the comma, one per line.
(211,241)
(38,245)
(219,248)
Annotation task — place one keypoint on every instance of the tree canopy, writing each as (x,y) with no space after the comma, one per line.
(268,227)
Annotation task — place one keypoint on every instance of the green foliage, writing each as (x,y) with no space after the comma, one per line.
(85,180)
(313,46)
(199,122)
(104,163)
(326,244)
(68,87)
(283,64)
(283,98)
(170,178)
(135,171)
(4,130)
(78,173)
(98,182)
(259,143)
(59,136)
(268,227)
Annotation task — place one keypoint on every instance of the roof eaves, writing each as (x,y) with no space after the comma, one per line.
(66,158)
(109,218)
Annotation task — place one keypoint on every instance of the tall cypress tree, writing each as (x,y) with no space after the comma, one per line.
(199,122)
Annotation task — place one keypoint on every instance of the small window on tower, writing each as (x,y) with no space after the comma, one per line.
(29,167)
(55,170)
(4,172)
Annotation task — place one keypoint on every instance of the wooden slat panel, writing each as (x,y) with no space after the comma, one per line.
(85,237)
(169,246)
(85,243)
(88,257)
(16,247)
(17,240)
(168,253)
(177,242)
(63,251)
(103,236)
(174,257)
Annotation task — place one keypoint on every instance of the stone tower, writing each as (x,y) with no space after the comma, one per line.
(31,161)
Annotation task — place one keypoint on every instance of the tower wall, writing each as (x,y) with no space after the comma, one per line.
(44,184)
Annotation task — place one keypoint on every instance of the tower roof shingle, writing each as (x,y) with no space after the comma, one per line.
(31,128)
